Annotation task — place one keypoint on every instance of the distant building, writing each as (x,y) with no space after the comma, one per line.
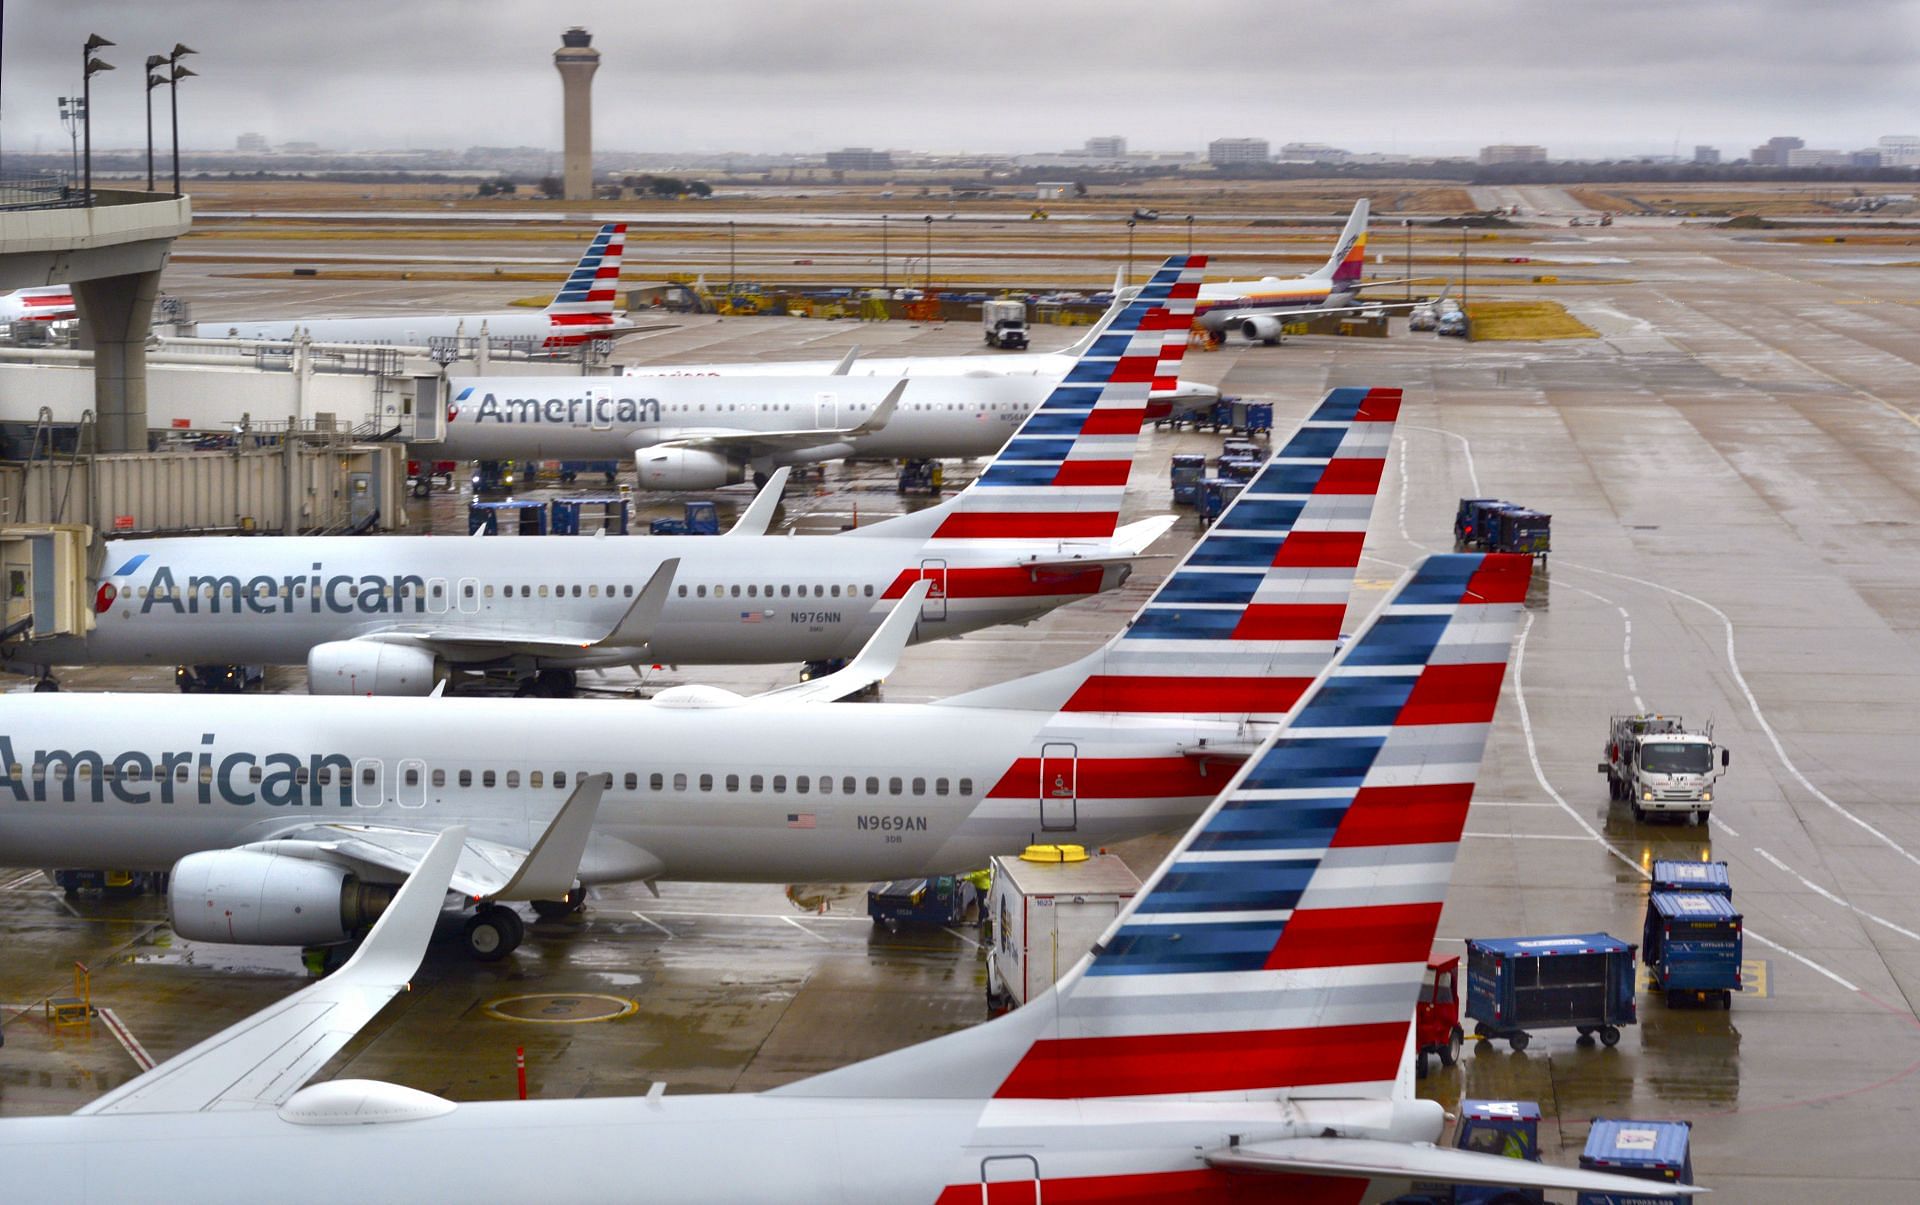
(299,148)
(1811,156)
(1313,152)
(253,144)
(859,159)
(1706,155)
(1900,150)
(1864,158)
(1108,146)
(1052,190)
(1512,153)
(1774,152)
(1231,152)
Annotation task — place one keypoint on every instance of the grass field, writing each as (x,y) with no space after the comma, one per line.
(1524,321)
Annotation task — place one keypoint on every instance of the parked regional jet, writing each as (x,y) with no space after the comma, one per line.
(1240,1032)
(1259,309)
(300,800)
(393,614)
(582,310)
(54,303)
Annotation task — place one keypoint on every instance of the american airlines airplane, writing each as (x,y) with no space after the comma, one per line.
(299,800)
(1259,309)
(53,303)
(582,310)
(394,614)
(1240,1032)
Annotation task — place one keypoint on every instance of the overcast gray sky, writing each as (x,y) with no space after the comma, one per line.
(1618,77)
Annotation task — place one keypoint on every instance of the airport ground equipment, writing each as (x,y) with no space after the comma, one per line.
(616,513)
(570,470)
(108,882)
(1495,525)
(1216,495)
(699,519)
(1436,1017)
(1242,448)
(1691,943)
(1240,469)
(1004,323)
(1046,908)
(937,901)
(496,476)
(1660,766)
(524,517)
(1507,1128)
(423,473)
(1453,324)
(1675,875)
(1659,1151)
(218,679)
(1189,470)
(927,476)
(1582,981)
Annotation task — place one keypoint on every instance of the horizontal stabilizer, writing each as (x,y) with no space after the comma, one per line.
(1375,1158)
(875,662)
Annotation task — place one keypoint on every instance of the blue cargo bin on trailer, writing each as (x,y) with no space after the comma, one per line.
(1692,876)
(1691,944)
(1656,1151)
(1581,981)
(1189,469)
(1508,1128)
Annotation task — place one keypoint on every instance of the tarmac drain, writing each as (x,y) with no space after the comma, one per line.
(561,1009)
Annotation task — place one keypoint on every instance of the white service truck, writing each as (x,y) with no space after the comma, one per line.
(1004,323)
(1046,908)
(1660,767)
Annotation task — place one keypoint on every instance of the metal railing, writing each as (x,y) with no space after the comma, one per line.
(47,191)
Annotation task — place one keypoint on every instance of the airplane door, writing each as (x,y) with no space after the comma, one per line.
(600,408)
(369,782)
(826,410)
(469,595)
(437,595)
(934,606)
(411,792)
(1059,787)
(1010,1180)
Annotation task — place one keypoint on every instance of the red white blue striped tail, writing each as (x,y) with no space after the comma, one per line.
(1062,475)
(588,296)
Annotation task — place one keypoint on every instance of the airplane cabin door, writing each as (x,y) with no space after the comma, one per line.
(469,596)
(370,786)
(600,408)
(1059,787)
(437,596)
(934,606)
(826,411)
(411,791)
(1009,1180)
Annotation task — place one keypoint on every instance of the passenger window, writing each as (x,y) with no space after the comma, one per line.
(800,784)
(559,780)
(700,591)
(486,778)
(849,785)
(593,591)
(513,779)
(733,782)
(466,778)
(779,784)
(836,591)
(488,592)
(786,591)
(826,784)
(706,782)
(966,786)
(736,591)
(819,591)
(627,591)
(412,777)
(753,591)
(543,590)
(534,778)
(325,778)
(466,590)
(873,786)
(633,781)
(683,592)
(679,782)
(869,590)
(756,784)
(367,776)
(939,786)
(576,592)
(919,786)
(893,786)
(253,774)
(299,776)
(656,782)
(527,592)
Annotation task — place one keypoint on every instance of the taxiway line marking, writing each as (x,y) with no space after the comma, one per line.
(809,932)
(645,919)
(124,1036)
(1823,893)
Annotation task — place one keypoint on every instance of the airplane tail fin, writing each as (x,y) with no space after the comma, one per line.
(1241,626)
(589,293)
(1121,295)
(1278,951)
(1349,258)
(1063,473)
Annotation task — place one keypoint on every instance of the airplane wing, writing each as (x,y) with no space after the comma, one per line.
(758,517)
(1371,1158)
(631,631)
(266,1058)
(482,869)
(876,660)
(761,443)
(1129,545)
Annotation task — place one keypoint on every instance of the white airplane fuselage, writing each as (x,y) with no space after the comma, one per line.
(414,330)
(705,786)
(744,600)
(1050,366)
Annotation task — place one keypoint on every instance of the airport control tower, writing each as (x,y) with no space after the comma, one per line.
(577,60)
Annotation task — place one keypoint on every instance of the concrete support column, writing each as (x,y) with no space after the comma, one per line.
(116,316)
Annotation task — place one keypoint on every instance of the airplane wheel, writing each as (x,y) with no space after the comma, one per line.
(1420,1065)
(550,910)
(46,686)
(555,683)
(494,932)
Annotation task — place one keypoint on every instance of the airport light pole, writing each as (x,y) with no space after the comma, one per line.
(885,284)
(732,263)
(1463,269)
(73,111)
(1130,224)
(153,81)
(928,291)
(179,51)
(1189,234)
(1406,224)
(89,67)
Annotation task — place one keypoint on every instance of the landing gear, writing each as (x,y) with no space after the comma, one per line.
(548,684)
(551,910)
(46,685)
(494,932)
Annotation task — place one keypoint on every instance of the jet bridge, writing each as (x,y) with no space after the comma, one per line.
(44,574)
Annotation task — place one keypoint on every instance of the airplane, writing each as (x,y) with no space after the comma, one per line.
(54,303)
(581,311)
(394,614)
(298,799)
(1240,1032)
(1259,309)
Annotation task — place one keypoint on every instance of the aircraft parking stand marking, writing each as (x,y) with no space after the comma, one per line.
(124,1036)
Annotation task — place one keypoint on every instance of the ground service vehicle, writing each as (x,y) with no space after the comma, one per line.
(1656,764)
(940,900)
(1004,323)
(1047,908)
(1494,525)
(1508,1128)
(1645,1150)
(1436,1018)
(701,519)
(1582,981)
(1453,323)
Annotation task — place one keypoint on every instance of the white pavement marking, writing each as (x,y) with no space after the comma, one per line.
(1405,489)
(1526,836)
(1823,893)
(809,932)
(21,880)
(131,1044)
(1753,705)
(962,936)
(1473,474)
(1626,644)
(656,924)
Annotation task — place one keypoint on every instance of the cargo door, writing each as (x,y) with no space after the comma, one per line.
(1059,787)
(934,607)
(1010,1180)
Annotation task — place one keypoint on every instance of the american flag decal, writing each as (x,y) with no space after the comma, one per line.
(799,819)
(749,617)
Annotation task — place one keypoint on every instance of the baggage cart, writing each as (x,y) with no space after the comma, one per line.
(1583,982)
(1691,943)
(1692,876)
(938,901)
(1657,1151)
(615,513)
(1189,469)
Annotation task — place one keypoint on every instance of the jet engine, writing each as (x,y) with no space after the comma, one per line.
(686,469)
(1260,327)
(369,667)
(248,897)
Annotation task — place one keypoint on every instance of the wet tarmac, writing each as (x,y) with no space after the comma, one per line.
(1732,471)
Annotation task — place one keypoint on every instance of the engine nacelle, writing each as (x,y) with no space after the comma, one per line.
(369,667)
(1260,328)
(686,469)
(247,897)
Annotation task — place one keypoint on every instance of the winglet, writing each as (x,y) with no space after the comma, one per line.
(636,626)
(846,362)
(882,412)
(876,660)
(549,871)
(758,517)
(394,946)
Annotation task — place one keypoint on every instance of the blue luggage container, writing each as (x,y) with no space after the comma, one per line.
(1239,468)
(1656,1151)
(941,900)
(1517,529)
(1259,418)
(617,513)
(527,516)
(1692,876)
(1691,944)
(1189,469)
(1583,982)
(1216,494)
(1467,521)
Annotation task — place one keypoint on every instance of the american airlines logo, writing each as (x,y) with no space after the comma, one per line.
(313,594)
(241,779)
(572,411)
